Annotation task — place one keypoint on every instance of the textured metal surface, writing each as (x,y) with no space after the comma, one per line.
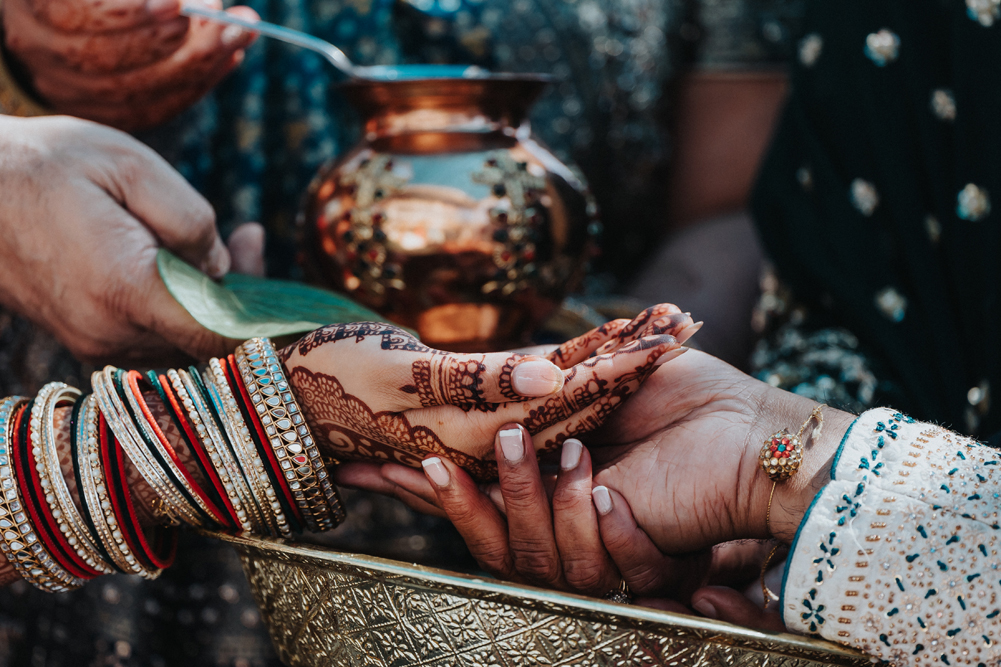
(327,608)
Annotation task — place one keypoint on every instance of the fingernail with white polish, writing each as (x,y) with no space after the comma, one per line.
(689,331)
(668,356)
(231,35)
(602,500)
(570,456)
(512,445)
(436,471)
(536,378)
(705,608)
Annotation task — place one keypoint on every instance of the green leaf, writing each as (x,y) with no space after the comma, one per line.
(244,307)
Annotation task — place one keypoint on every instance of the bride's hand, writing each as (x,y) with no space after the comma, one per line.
(371,391)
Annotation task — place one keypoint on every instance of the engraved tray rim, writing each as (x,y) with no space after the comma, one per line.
(416,576)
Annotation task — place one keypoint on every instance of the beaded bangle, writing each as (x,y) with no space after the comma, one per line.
(177,415)
(91,481)
(47,574)
(156,554)
(191,489)
(122,425)
(294,511)
(219,450)
(19,543)
(270,393)
(38,496)
(46,452)
(243,445)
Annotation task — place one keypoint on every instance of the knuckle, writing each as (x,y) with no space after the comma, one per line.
(584,574)
(536,562)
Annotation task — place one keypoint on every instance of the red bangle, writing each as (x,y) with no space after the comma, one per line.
(196,445)
(251,417)
(161,555)
(133,378)
(38,509)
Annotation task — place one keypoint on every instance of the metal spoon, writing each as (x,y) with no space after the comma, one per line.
(334,55)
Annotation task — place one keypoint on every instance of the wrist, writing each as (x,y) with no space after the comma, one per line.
(792,497)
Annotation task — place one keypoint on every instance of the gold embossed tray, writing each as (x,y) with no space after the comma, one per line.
(335,609)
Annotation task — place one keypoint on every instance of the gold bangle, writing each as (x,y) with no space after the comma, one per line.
(19,543)
(780,458)
(219,454)
(324,501)
(243,444)
(94,493)
(175,505)
(46,452)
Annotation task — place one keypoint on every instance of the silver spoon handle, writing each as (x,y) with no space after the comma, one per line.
(333,54)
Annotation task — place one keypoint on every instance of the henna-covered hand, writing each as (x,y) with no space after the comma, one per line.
(372,391)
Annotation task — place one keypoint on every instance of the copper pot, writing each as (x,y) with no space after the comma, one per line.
(448,217)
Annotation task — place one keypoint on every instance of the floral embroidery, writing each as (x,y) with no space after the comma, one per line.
(943,104)
(984,12)
(864,196)
(882,47)
(810,48)
(891,303)
(973,203)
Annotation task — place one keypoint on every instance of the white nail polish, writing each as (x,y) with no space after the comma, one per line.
(536,378)
(570,456)
(436,471)
(602,500)
(512,445)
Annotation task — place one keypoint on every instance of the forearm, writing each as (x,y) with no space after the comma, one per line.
(898,554)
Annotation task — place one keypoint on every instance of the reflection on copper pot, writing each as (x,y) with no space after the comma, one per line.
(448,217)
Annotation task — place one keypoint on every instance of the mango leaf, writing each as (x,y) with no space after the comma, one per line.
(243,307)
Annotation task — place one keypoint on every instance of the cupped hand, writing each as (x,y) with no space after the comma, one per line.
(684,453)
(128,63)
(85,209)
(372,391)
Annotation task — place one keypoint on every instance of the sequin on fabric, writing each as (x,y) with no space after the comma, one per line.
(882,47)
(973,203)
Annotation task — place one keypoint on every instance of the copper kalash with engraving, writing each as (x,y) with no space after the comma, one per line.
(448,217)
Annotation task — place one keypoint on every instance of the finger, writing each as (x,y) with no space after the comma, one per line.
(664,604)
(151,190)
(578,349)
(473,515)
(149,305)
(594,389)
(102,15)
(39,43)
(726,604)
(370,477)
(643,566)
(475,381)
(204,58)
(246,248)
(413,481)
(530,526)
(587,567)
(663,318)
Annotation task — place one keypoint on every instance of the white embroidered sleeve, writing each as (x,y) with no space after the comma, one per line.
(898,555)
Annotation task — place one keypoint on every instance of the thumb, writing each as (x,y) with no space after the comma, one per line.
(158,312)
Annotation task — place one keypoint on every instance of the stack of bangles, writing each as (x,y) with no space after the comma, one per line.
(241,431)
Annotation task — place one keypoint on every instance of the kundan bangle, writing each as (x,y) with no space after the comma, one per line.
(19,542)
(124,426)
(219,449)
(780,458)
(272,398)
(246,450)
(46,454)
